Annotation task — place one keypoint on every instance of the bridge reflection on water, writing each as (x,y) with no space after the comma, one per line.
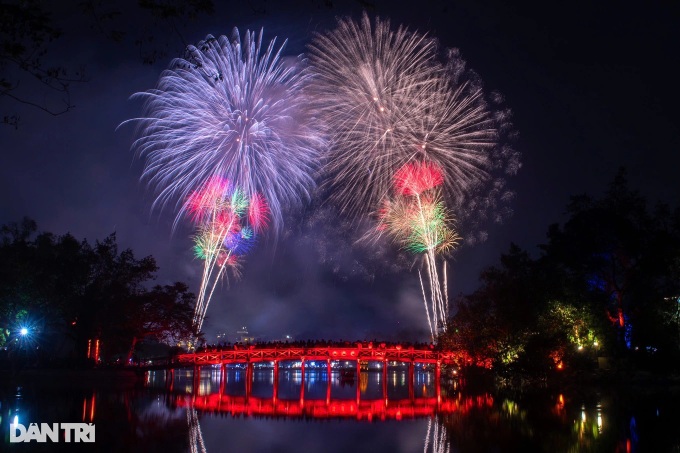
(344,390)
(233,403)
(349,382)
(401,392)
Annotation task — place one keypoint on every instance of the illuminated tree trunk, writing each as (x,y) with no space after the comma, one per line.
(131,351)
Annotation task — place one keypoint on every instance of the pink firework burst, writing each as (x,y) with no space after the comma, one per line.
(226,259)
(258,213)
(415,178)
(206,200)
(226,222)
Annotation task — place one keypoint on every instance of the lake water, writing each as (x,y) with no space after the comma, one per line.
(375,412)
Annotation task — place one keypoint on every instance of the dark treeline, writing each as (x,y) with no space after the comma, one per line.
(59,296)
(605,284)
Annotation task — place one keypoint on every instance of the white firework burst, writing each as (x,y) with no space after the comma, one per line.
(387,100)
(231,108)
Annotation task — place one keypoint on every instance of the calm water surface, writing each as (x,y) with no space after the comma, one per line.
(375,412)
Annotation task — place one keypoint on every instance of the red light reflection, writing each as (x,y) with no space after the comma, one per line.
(368,410)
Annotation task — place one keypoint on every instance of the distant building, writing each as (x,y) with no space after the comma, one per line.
(244,337)
(223,338)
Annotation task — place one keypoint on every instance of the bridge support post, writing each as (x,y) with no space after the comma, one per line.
(249,378)
(170,379)
(275,391)
(384,379)
(196,380)
(328,381)
(223,377)
(437,380)
(302,382)
(358,380)
(411,373)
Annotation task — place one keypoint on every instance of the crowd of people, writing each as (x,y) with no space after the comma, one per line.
(310,344)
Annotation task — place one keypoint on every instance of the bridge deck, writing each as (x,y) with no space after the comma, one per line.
(323,353)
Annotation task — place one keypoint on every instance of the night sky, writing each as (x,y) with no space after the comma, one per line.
(592,88)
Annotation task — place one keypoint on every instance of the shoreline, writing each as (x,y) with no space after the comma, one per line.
(113,378)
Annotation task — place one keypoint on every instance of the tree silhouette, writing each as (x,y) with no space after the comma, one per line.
(34,72)
(606,282)
(70,292)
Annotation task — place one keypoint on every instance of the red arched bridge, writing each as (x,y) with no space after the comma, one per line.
(282,352)
(359,353)
(327,357)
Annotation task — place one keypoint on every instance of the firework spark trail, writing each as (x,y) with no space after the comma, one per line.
(222,212)
(427,311)
(212,258)
(427,435)
(203,299)
(231,108)
(417,219)
(430,233)
(438,314)
(430,237)
(437,436)
(446,289)
(195,434)
(214,210)
(387,101)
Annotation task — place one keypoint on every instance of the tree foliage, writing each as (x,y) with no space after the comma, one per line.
(35,72)
(71,291)
(605,283)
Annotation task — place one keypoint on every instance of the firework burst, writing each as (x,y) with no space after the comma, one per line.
(222,212)
(230,108)
(388,101)
(417,219)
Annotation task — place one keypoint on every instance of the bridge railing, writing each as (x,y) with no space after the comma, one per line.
(333,353)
